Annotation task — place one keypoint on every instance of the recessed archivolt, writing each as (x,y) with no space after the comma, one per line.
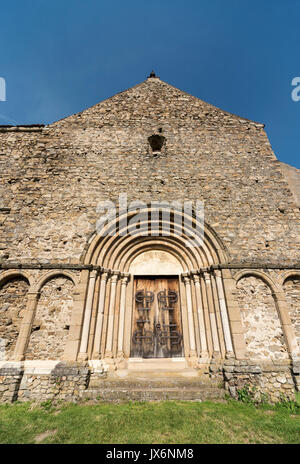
(191,257)
(115,247)
(112,253)
(126,251)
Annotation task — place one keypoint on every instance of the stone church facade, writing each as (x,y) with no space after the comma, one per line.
(111,310)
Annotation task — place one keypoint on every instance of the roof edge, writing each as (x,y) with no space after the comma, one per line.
(4,128)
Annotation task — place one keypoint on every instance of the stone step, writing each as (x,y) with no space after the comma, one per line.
(144,383)
(157,373)
(154,394)
(165,364)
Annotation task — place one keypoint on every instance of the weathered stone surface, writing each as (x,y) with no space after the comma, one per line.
(267,384)
(296,368)
(12,309)
(52,321)
(263,333)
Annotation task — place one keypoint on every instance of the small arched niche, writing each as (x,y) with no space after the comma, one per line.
(155,262)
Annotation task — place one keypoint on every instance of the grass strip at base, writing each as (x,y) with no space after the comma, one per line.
(166,422)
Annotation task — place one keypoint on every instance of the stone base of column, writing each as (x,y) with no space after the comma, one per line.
(110,361)
(121,361)
(193,354)
(204,358)
(82,357)
(20,357)
(108,354)
(192,360)
(230,355)
(120,356)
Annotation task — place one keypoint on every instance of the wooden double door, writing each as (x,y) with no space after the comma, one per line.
(156,327)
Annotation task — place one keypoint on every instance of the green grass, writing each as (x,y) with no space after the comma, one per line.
(168,422)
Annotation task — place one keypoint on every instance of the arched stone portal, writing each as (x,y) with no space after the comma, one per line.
(158,253)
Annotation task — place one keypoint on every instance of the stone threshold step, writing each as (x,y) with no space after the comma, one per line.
(142,395)
(149,384)
(167,364)
(187,373)
(175,389)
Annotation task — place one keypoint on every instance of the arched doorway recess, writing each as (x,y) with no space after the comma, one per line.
(125,259)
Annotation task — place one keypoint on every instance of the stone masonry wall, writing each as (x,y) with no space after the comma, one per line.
(63,383)
(263,332)
(52,320)
(12,308)
(269,381)
(54,177)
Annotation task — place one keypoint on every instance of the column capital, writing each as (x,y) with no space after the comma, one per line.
(207,276)
(218,273)
(186,279)
(104,276)
(125,279)
(194,272)
(196,278)
(33,295)
(114,278)
(94,274)
(104,270)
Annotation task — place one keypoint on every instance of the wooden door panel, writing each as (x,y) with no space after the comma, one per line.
(156,329)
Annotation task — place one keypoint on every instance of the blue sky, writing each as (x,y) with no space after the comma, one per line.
(62,56)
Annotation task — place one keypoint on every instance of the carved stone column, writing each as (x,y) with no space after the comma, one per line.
(187,283)
(234,314)
(206,315)
(212,315)
(87,317)
(202,331)
(124,282)
(100,315)
(288,330)
(26,326)
(111,317)
(224,315)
